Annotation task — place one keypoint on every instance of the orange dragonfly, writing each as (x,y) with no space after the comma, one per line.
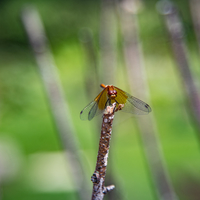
(108,96)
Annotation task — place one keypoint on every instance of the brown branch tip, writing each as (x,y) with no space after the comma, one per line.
(98,177)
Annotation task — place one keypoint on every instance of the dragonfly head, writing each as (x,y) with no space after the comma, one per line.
(112,94)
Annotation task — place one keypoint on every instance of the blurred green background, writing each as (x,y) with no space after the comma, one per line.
(32,165)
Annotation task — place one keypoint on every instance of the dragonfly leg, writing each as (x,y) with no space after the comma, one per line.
(108,103)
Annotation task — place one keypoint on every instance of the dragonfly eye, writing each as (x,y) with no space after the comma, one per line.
(112,92)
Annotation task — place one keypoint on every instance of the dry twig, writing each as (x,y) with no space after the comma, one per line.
(98,177)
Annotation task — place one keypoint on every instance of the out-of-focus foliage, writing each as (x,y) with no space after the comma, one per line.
(31,160)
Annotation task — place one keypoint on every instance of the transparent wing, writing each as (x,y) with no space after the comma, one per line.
(95,107)
(132,104)
(89,111)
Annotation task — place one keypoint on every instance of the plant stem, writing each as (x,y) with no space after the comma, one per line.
(98,177)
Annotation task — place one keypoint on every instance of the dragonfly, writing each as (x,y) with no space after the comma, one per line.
(109,95)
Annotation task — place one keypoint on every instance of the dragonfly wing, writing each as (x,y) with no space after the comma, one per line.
(90,111)
(94,108)
(132,104)
(136,106)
